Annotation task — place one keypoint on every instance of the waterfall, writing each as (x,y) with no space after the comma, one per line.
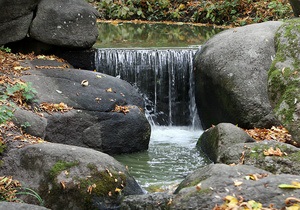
(163,76)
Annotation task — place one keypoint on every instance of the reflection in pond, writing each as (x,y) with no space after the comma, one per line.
(130,35)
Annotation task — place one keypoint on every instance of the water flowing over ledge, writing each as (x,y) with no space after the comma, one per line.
(163,76)
(165,79)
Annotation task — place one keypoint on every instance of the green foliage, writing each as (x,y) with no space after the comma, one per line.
(30,192)
(21,91)
(6,109)
(5,49)
(10,189)
(60,166)
(221,12)
(25,125)
(6,113)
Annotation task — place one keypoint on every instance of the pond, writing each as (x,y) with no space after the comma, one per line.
(152,35)
(171,156)
(158,60)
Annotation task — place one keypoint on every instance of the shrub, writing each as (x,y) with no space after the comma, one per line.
(221,12)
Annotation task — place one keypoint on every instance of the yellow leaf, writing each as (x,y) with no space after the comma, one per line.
(289,186)
(293,207)
(296,184)
(118,190)
(231,200)
(255,205)
(18,68)
(41,57)
(237,183)
(109,90)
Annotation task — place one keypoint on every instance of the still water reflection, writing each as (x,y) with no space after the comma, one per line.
(142,35)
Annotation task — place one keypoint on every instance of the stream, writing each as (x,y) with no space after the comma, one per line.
(158,60)
(171,156)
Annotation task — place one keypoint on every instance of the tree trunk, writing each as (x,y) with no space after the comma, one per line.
(296,7)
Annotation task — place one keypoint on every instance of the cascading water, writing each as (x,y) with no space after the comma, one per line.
(163,76)
(165,79)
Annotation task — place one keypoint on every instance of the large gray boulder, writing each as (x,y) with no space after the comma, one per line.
(94,121)
(231,76)
(157,201)
(69,23)
(19,206)
(284,77)
(69,177)
(253,154)
(209,185)
(15,19)
(229,144)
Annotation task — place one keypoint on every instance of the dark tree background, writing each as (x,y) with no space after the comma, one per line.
(296,7)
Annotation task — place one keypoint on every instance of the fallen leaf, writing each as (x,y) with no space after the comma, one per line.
(293,185)
(198,186)
(293,203)
(122,109)
(118,190)
(41,57)
(242,158)
(63,184)
(237,183)
(231,201)
(109,90)
(98,99)
(272,152)
(85,83)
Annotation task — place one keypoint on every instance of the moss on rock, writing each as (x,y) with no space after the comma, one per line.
(284,77)
(60,166)
(99,188)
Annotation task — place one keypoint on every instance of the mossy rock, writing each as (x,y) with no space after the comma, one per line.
(253,154)
(284,77)
(70,177)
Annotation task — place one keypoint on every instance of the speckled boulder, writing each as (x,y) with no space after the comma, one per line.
(69,23)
